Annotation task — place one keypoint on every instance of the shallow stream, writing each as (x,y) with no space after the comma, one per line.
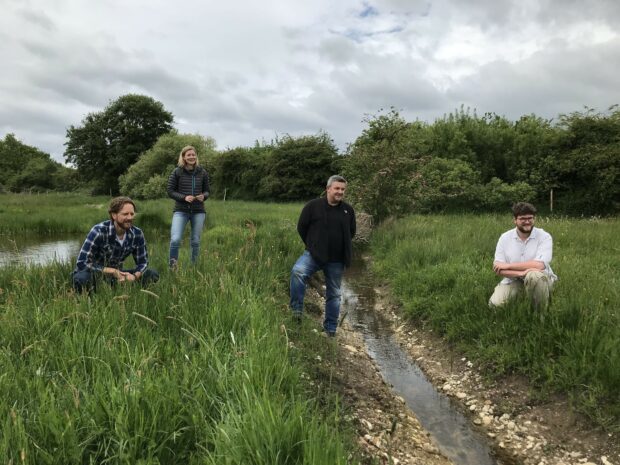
(449,428)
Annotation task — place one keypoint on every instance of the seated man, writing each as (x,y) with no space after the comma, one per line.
(522,258)
(108,244)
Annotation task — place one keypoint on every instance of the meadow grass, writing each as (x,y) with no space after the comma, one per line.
(440,268)
(198,369)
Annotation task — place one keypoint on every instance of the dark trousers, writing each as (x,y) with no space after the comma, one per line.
(86,280)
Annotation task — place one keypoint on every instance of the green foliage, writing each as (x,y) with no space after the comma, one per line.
(381,164)
(238,172)
(52,213)
(497,195)
(26,168)
(440,269)
(463,162)
(148,177)
(110,141)
(445,185)
(585,171)
(298,167)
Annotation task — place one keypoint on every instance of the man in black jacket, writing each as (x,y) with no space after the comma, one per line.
(326,225)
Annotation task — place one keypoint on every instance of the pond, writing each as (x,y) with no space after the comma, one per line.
(37,250)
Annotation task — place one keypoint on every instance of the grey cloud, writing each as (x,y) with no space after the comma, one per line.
(389,81)
(37,18)
(548,83)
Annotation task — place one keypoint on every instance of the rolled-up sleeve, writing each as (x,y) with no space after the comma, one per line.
(500,252)
(544,251)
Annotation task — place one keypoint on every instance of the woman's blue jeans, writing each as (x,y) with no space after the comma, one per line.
(305,267)
(179,220)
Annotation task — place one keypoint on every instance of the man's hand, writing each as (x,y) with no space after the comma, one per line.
(189,198)
(129,277)
(498,267)
(200,197)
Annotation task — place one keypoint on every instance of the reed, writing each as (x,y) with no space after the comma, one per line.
(196,369)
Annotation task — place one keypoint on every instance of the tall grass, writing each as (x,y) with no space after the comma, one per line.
(440,267)
(197,370)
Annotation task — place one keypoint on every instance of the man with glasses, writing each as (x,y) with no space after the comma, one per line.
(522,257)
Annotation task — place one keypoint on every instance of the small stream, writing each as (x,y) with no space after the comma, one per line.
(449,428)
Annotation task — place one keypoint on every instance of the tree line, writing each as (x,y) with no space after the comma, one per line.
(461,162)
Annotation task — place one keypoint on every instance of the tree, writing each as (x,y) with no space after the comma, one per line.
(147,178)
(110,141)
(298,168)
(381,166)
(585,169)
(23,167)
(238,172)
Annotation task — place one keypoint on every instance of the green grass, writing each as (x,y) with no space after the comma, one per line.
(440,268)
(198,371)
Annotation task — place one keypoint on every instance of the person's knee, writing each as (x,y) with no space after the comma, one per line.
(500,297)
(534,277)
(81,279)
(300,272)
(495,302)
(150,276)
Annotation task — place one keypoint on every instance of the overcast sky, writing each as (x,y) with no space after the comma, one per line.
(241,71)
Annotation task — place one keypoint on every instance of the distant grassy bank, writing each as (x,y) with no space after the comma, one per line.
(440,269)
(197,370)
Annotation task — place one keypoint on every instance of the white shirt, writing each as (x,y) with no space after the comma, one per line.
(538,246)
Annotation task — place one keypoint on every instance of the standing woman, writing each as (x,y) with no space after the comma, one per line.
(188,185)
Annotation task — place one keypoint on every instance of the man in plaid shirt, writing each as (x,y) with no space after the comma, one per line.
(107,246)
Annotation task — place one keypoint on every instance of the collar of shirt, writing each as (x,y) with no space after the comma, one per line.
(533,234)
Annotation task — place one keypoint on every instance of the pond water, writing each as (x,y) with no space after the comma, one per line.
(449,428)
(37,250)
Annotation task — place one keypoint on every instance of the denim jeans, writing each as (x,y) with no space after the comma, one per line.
(179,220)
(86,280)
(305,267)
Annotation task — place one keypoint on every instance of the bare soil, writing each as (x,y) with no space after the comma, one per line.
(524,427)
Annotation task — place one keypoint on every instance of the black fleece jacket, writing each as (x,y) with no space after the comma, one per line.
(312,227)
(182,183)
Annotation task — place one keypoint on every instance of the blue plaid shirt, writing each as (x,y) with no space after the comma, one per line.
(101,249)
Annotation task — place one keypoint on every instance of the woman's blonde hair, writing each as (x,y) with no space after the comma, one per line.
(184,150)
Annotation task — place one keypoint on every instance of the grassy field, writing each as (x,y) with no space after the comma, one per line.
(440,268)
(197,370)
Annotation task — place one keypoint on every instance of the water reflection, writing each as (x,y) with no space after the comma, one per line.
(37,250)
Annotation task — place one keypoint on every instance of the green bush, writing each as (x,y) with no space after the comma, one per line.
(155,165)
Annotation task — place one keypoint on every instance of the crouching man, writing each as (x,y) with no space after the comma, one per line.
(522,257)
(106,247)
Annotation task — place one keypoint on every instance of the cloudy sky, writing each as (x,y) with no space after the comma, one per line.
(241,71)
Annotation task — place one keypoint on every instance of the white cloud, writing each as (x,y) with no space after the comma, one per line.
(242,71)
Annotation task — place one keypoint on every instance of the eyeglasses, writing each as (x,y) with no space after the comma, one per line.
(525,219)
